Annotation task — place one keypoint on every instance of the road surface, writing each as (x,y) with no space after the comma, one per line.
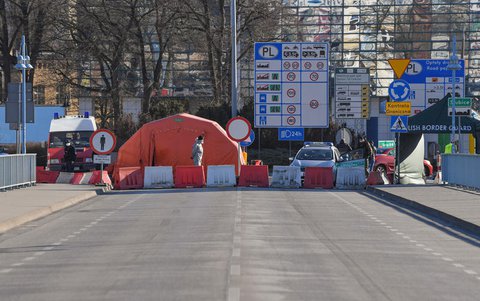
(245,244)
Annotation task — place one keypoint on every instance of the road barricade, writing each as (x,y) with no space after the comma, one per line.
(377,178)
(221,176)
(65,178)
(350,178)
(189,177)
(286,177)
(81,178)
(129,178)
(100,177)
(253,176)
(47,176)
(158,177)
(318,177)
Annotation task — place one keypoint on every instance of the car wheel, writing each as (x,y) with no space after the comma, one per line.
(381,169)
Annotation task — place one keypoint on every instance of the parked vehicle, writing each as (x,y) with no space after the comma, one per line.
(316,154)
(76,130)
(385,162)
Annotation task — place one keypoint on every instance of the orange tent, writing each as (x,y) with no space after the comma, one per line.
(169,141)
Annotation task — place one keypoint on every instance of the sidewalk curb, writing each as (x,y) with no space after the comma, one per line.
(455,221)
(39,213)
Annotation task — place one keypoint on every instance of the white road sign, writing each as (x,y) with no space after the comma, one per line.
(105,159)
(352,92)
(291,85)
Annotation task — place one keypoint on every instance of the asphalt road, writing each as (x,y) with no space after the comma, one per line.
(237,245)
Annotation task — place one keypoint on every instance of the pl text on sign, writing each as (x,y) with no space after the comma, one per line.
(398,108)
(291,85)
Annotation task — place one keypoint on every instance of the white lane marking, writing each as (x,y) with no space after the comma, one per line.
(48,248)
(458,265)
(71,236)
(64,239)
(83,229)
(28,258)
(77,232)
(427,249)
(400,233)
(233,294)
(470,272)
(18,264)
(447,259)
(420,245)
(39,253)
(437,254)
(394,230)
(56,243)
(236,252)
(406,237)
(88,226)
(5,271)
(413,241)
(93,223)
(235,270)
(478,278)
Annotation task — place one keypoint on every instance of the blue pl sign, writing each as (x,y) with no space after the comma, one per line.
(291,134)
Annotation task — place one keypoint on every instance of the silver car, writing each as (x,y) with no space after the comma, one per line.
(316,154)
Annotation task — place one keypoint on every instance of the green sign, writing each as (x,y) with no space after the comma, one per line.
(386,143)
(461,102)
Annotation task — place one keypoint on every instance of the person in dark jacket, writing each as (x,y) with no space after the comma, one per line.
(69,156)
(343,147)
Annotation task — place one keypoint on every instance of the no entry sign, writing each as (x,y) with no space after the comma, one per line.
(238,129)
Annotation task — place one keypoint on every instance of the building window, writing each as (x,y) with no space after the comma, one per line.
(39,94)
(61,96)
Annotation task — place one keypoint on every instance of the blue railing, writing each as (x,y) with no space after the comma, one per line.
(17,170)
(461,169)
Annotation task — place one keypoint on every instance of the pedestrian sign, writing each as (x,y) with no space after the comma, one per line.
(103,142)
(399,66)
(399,124)
(399,90)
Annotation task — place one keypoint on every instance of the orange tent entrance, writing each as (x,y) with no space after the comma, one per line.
(168,142)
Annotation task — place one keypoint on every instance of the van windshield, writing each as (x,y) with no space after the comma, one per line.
(77,138)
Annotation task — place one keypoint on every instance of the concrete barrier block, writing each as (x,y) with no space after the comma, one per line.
(158,177)
(286,177)
(221,176)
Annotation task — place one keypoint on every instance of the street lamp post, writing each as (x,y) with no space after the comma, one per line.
(233,24)
(23,64)
(453,66)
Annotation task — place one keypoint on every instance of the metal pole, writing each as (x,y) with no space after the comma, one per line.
(24,101)
(233,22)
(397,159)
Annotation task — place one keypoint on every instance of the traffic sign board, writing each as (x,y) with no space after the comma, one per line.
(291,134)
(463,106)
(399,124)
(398,108)
(399,90)
(103,141)
(105,159)
(238,128)
(249,140)
(399,66)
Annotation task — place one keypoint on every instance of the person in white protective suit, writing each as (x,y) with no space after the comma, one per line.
(197,151)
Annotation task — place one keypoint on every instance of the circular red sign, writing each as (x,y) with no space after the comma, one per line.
(295,65)
(314,76)
(307,65)
(238,129)
(103,142)
(314,104)
(291,120)
(291,109)
(291,92)
(286,65)
(291,76)
(320,65)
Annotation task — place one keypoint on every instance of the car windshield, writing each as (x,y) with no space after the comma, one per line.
(78,139)
(315,154)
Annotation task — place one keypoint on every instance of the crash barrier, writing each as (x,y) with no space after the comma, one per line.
(350,177)
(100,177)
(46,176)
(318,177)
(377,178)
(81,178)
(221,176)
(17,170)
(253,176)
(65,178)
(438,176)
(189,177)
(158,177)
(461,169)
(286,177)
(129,178)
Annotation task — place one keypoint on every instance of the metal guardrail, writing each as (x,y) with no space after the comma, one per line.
(461,169)
(17,171)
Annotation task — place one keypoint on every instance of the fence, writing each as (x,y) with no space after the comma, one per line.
(17,170)
(461,169)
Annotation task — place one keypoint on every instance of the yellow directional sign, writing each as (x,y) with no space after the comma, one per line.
(399,66)
(398,108)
